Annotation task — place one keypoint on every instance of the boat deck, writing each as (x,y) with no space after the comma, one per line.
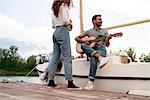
(30,91)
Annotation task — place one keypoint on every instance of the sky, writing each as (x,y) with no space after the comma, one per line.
(27,24)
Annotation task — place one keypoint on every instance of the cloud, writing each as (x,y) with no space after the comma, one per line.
(140,7)
(23,46)
(9,25)
(30,41)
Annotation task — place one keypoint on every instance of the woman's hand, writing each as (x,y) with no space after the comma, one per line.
(70,26)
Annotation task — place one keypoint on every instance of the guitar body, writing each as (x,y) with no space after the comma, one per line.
(92,41)
(88,40)
(78,48)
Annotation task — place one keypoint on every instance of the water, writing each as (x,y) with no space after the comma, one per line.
(28,79)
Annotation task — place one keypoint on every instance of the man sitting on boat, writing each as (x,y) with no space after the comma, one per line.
(94,48)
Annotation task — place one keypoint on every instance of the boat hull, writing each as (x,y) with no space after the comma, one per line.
(114,77)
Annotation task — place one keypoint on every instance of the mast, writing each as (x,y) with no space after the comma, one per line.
(81,17)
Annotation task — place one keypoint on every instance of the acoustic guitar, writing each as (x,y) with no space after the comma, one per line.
(92,41)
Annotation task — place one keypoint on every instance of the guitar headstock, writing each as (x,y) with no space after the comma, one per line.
(119,34)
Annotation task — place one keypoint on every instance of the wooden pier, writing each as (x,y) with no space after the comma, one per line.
(30,91)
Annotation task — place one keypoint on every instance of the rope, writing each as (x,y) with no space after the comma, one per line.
(30,72)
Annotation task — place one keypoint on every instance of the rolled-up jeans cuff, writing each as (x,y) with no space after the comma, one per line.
(93,53)
(91,77)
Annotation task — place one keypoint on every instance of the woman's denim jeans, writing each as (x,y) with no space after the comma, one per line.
(93,61)
(61,46)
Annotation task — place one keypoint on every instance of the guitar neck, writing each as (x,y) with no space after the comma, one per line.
(112,35)
(116,34)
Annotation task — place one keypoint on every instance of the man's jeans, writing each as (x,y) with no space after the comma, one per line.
(93,61)
(61,46)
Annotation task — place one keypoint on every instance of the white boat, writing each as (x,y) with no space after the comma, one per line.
(115,76)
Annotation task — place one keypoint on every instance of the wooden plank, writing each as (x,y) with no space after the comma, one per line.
(29,91)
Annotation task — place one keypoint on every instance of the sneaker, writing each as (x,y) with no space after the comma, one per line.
(72,86)
(103,61)
(52,84)
(42,76)
(89,86)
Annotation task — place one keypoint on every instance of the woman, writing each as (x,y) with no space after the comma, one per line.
(61,42)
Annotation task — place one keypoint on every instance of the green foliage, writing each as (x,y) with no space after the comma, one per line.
(144,58)
(131,53)
(14,73)
(9,58)
(32,61)
(147,58)
(11,62)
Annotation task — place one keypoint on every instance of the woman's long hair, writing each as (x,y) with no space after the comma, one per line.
(57,3)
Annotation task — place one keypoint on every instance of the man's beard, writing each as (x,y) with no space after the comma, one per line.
(98,25)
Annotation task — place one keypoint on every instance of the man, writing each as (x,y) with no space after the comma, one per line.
(97,52)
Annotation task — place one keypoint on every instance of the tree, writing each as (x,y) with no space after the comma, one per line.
(131,53)
(13,53)
(9,58)
(32,61)
(144,58)
(147,58)
(11,62)
(141,58)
